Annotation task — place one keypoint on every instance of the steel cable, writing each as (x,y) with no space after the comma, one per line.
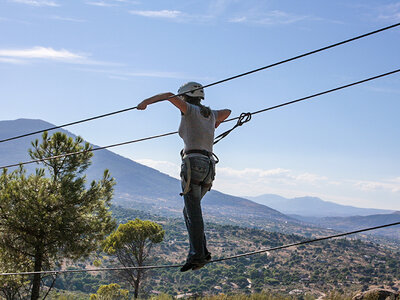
(211,84)
(171,133)
(91,150)
(212,261)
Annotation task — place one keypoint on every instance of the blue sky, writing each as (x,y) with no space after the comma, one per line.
(62,61)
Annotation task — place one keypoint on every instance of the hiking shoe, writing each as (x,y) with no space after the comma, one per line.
(197,266)
(186,267)
(201,264)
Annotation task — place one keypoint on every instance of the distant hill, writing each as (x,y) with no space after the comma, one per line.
(311,268)
(359,222)
(146,189)
(139,186)
(313,207)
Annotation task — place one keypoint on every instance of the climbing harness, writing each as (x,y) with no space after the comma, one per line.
(189,180)
(210,155)
(243,118)
(186,181)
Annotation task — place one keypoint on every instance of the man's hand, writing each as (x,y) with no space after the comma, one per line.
(142,106)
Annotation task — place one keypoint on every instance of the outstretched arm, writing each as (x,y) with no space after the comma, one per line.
(222,115)
(175,100)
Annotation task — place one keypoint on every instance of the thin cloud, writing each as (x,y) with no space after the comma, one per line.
(274,17)
(14,21)
(47,54)
(111,3)
(390,12)
(290,183)
(390,185)
(253,181)
(118,77)
(173,15)
(247,176)
(66,19)
(380,12)
(384,90)
(241,19)
(218,7)
(37,2)
(262,176)
(167,14)
(101,4)
(128,1)
(281,17)
(311,178)
(40,53)
(11,61)
(249,172)
(166,167)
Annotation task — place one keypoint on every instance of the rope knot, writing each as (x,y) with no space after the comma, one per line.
(243,118)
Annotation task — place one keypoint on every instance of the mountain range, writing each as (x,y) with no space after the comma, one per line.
(359,222)
(146,189)
(313,207)
(329,215)
(138,186)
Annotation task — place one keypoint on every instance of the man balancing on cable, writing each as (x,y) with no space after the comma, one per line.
(197,127)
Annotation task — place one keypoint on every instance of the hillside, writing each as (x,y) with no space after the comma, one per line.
(343,264)
(358,222)
(141,187)
(313,207)
(147,189)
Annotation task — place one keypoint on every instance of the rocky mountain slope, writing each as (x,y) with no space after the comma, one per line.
(358,222)
(313,207)
(344,265)
(147,189)
(139,186)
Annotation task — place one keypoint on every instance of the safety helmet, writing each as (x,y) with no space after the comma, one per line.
(188,88)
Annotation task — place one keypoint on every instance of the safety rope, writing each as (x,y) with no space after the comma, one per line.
(245,116)
(91,150)
(212,261)
(211,84)
(319,94)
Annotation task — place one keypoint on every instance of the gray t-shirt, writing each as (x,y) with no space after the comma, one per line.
(197,131)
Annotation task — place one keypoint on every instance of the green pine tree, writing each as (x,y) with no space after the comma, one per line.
(13,286)
(112,291)
(131,244)
(51,215)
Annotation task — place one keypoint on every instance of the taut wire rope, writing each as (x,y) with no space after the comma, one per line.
(320,93)
(91,150)
(212,84)
(212,261)
(245,117)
